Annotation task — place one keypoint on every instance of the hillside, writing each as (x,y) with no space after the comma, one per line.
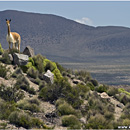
(41,94)
(61,39)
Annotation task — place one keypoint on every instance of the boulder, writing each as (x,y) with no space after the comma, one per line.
(77,81)
(10,57)
(48,77)
(29,51)
(20,59)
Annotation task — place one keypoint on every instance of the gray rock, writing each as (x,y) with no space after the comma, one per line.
(76,81)
(29,51)
(48,77)
(20,59)
(120,105)
(10,57)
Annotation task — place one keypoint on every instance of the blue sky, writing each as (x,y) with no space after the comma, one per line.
(94,13)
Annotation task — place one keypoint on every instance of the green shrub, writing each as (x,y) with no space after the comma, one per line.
(20,119)
(34,101)
(123,91)
(91,86)
(31,105)
(23,83)
(13,50)
(109,115)
(102,88)
(98,122)
(39,62)
(17,72)
(126,122)
(37,123)
(60,101)
(112,91)
(94,82)
(5,58)
(42,85)
(3,71)
(11,94)
(32,73)
(71,121)
(3,125)
(61,89)
(5,109)
(66,109)
(61,68)
(1,49)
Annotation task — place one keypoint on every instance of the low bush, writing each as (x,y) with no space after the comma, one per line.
(34,101)
(23,83)
(30,105)
(3,125)
(60,101)
(13,50)
(5,109)
(94,82)
(11,94)
(91,86)
(112,91)
(66,109)
(98,122)
(61,89)
(5,58)
(123,91)
(21,119)
(17,72)
(102,88)
(1,49)
(71,121)
(32,73)
(42,85)
(126,110)
(3,71)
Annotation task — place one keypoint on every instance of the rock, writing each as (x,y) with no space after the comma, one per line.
(48,77)
(10,57)
(76,81)
(29,51)
(83,120)
(120,105)
(20,59)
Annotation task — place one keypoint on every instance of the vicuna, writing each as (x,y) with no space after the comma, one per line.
(13,37)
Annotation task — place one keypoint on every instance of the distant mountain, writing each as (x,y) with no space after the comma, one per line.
(61,39)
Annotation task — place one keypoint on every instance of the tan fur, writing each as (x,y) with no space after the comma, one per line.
(13,37)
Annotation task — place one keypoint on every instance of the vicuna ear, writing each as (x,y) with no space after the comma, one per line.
(10,20)
(6,19)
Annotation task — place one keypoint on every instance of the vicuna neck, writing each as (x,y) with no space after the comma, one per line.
(8,29)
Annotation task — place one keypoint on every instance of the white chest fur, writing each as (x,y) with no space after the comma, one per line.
(10,38)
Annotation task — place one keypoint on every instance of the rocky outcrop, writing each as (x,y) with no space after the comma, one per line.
(20,59)
(29,51)
(48,77)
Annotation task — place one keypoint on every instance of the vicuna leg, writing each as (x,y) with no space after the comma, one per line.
(9,46)
(13,45)
(19,47)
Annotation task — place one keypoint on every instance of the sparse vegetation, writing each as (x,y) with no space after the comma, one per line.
(71,121)
(23,83)
(3,70)
(11,94)
(79,105)
(5,58)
